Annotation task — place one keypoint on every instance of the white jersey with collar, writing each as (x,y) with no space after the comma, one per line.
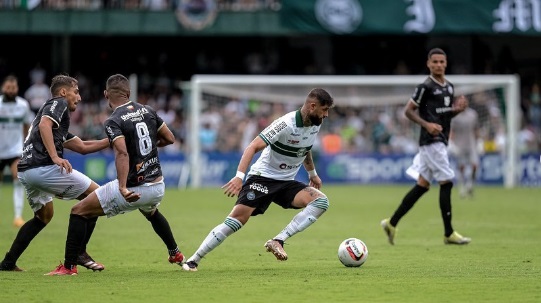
(288,143)
(13,115)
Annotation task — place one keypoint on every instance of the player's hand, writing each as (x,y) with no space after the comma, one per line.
(433,128)
(129,196)
(460,104)
(63,163)
(233,187)
(315,182)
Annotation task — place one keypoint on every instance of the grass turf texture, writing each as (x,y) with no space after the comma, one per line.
(502,264)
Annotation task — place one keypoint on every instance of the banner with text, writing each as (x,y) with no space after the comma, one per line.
(413,16)
(217,169)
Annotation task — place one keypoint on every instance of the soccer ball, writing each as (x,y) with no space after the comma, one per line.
(352,252)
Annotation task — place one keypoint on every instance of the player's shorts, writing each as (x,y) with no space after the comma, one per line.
(44,183)
(7,162)
(413,170)
(113,203)
(466,157)
(259,192)
(434,162)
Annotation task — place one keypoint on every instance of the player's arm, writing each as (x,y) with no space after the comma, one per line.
(122,164)
(46,131)
(310,167)
(233,187)
(459,105)
(165,136)
(86,147)
(412,113)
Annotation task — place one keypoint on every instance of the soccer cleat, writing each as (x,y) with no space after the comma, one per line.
(389,230)
(456,238)
(6,267)
(277,249)
(18,222)
(60,270)
(86,261)
(189,266)
(176,259)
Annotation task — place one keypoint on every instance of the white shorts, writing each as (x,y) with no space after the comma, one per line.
(413,170)
(44,183)
(434,162)
(113,203)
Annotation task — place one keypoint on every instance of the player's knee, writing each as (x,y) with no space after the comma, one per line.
(321,202)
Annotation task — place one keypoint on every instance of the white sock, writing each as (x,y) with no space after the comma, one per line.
(304,219)
(18,198)
(216,237)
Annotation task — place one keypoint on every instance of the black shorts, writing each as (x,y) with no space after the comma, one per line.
(7,162)
(259,192)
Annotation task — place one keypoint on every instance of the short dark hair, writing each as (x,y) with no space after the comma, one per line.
(436,51)
(10,78)
(117,83)
(60,81)
(322,96)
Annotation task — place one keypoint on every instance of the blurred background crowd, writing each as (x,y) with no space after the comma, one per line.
(164,66)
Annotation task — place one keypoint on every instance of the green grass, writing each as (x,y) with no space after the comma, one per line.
(502,264)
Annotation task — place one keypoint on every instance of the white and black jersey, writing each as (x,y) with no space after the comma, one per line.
(14,114)
(288,143)
(34,152)
(138,125)
(434,101)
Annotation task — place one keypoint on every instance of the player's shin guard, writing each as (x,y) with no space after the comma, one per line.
(25,235)
(163,230)
(445,207)
(18,198)
(75,240)
(305,218)
(407,203)
(216,237)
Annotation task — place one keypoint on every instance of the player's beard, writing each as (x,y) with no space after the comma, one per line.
(10,97)
(316,120)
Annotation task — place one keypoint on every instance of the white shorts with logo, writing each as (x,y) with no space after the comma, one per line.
(113,203)
(432,162)
(44,183)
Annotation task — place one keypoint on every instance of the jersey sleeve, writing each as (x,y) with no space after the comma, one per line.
(113,131)
(69,137)
(159,120)
(272,133)
(419,94)
(55,110)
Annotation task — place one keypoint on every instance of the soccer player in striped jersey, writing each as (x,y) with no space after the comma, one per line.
(15,119)
(286,146)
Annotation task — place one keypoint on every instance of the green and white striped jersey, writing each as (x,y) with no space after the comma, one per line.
(13,115)
(288,142)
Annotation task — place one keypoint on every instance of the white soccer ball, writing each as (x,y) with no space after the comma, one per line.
(352,252)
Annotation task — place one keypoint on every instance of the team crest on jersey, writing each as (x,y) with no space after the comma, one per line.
(301,152)
(130,107)
(250,195)
(450,89)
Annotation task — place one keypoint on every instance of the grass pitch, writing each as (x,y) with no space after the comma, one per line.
(502,264)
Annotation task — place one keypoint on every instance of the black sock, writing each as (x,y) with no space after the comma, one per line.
(77,231)
(445,207)
(162,228)
(28,231)
(90,225)
(407,203)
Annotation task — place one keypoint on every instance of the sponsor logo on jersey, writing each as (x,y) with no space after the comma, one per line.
(294,135)
(110,131)
(141,167)
(53,106)
(285,166)
(138,114)
(437,91)
(293,141)
(259,187)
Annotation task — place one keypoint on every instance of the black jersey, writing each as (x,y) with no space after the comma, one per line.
(435,104)
(139,125)
(34,152)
